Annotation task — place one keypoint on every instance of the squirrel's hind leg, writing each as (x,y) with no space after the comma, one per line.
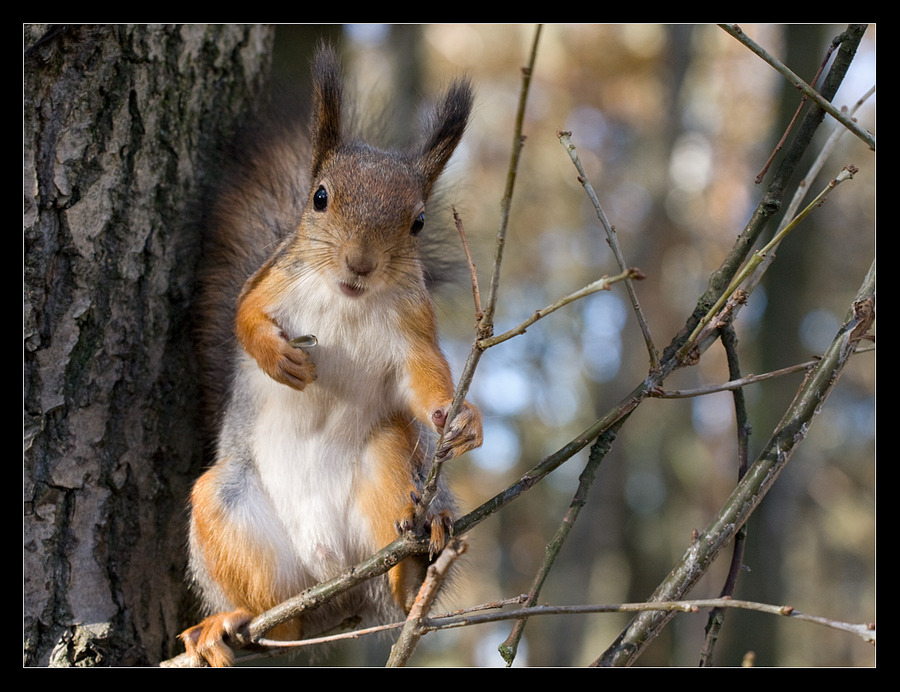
(388,495)
(238,560)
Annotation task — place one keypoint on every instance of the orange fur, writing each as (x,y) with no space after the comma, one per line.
(432,385)
(384,497)
(263,338)
(430,382)
(241,566)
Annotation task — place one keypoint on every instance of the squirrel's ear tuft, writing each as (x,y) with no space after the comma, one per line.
(445,129)
(325,128)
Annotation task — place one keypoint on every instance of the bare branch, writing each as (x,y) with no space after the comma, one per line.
(736,31)
(866,631)
(758,257)
(791,431)
(594,287)
(476,294)
(414,628)
(485,322)
(732,384)
(565,139)
(506,201)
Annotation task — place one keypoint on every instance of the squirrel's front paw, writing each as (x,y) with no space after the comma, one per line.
(462,435)
(205,643)
(294,367)
(285,362)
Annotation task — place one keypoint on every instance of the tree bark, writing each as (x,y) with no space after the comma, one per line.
(120,123)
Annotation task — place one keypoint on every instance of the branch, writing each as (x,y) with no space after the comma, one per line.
(736,31)
(603,284)
(553,461)
(742,428)
(865,631)
(476,293)
(599,450)
(506,202)
(565,140)
(731,385)
(803,187)
(414,627)
(772,199)
(757,258)
(791,431)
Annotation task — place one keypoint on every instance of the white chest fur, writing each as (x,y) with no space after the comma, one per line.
(309,446)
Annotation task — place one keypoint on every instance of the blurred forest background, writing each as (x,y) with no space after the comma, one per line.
(672,124)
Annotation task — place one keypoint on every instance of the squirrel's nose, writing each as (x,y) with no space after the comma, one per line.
(360,264)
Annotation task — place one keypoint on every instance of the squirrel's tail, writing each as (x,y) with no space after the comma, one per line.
(254,204)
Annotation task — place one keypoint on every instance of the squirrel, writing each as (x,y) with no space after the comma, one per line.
(322,363)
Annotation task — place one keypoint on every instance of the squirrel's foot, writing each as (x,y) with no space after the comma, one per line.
(462,435)
(438,525)
(205,643)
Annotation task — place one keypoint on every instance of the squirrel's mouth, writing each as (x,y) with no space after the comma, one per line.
(352,290)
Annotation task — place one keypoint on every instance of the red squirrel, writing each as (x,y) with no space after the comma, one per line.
(330,369)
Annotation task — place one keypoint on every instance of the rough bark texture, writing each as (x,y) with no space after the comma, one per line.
(118,122)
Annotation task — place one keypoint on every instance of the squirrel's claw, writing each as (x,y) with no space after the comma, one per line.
(205,643)
(438,526)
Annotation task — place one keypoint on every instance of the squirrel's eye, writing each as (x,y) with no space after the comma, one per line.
(418,224)
(320,199)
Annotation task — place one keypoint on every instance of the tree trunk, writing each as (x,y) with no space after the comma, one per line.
(118,124)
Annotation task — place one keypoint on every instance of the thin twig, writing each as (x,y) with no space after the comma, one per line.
(506,201)
(866,631)
(732,384)
(565,139)
(485,323)
(553,461)
(759,256)
(796,116)
(736,31)
(600,448)
(837,133)
(803,188)
(476,294)
(593,287)
(742,429)
(414,627)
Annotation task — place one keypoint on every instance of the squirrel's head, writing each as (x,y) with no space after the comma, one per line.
(366,207)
